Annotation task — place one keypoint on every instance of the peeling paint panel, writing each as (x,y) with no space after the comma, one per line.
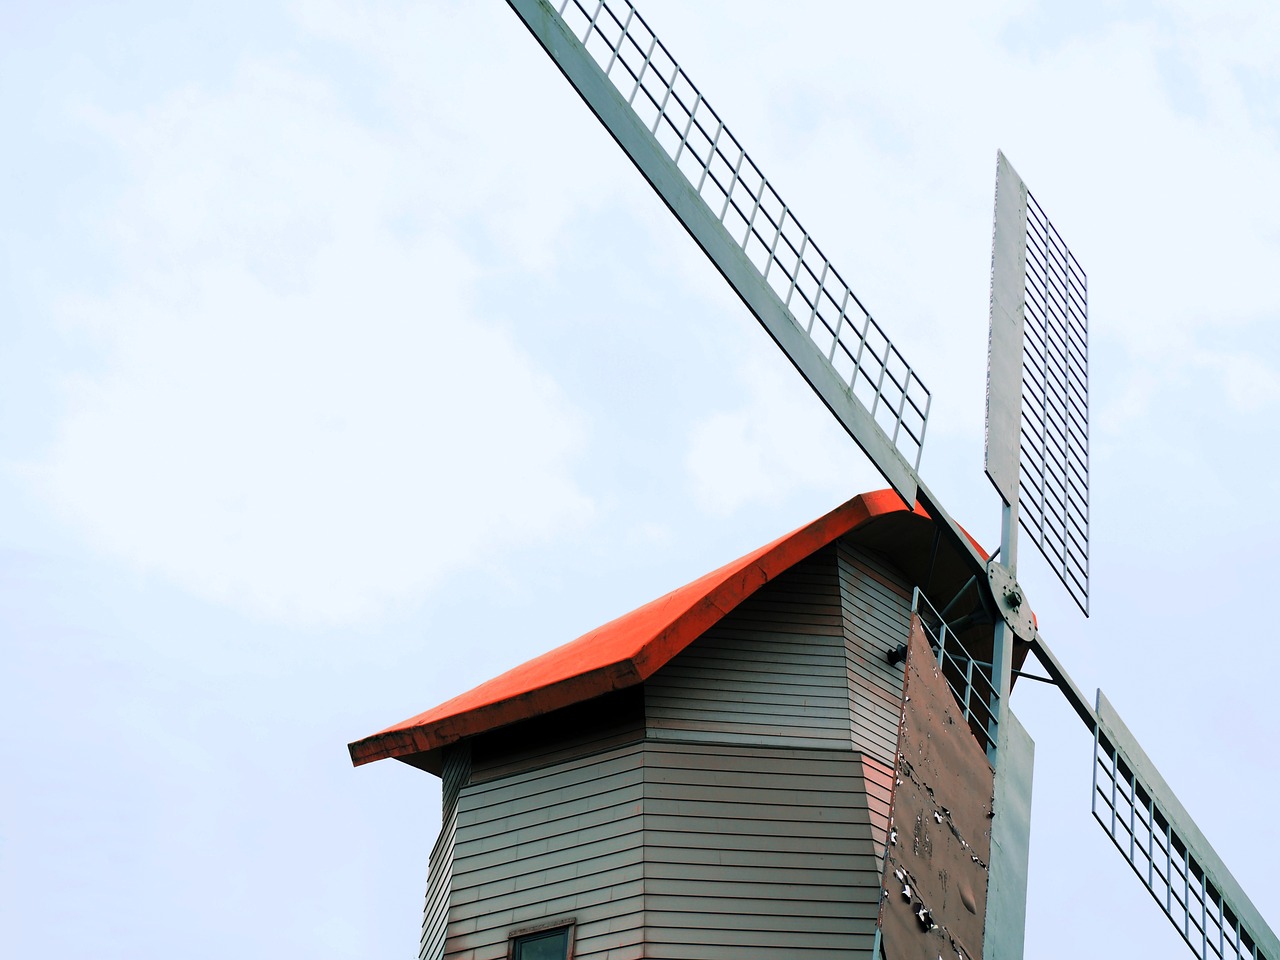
(935,875)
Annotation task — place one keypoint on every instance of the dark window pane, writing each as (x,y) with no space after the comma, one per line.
(552,945)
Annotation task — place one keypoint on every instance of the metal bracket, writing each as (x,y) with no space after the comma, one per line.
(1011,601)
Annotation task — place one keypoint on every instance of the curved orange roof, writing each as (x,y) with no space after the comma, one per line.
(623,652)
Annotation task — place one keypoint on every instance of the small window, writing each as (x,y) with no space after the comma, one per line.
(550,944)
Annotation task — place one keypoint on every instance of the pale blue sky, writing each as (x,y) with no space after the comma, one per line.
(345,362)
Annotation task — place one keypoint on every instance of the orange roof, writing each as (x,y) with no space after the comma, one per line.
(623,652)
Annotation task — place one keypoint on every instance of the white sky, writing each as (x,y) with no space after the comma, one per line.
(345,361)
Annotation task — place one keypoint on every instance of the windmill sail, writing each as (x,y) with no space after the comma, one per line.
(1038,381)
(1150,828)
(682,147)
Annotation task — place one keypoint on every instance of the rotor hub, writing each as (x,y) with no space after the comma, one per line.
(1011,601)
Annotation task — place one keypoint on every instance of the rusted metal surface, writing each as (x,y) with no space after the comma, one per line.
(936,864)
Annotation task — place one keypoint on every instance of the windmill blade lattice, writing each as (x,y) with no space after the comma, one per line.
(1054,487)
(1160,841)
(683,148)
(1038,381)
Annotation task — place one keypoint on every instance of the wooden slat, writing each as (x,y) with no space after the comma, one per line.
(513,912)
(757,646)
(601,826)
(736,790)
(546,863)
(566,774)
(868,613)
(578,731)
(769,858)
(435,913)
(666,912)
(761,913)
(874,609)
(774,759)
(802,717)
(875,566)
(597,882)
(804,881)
(854,947)
(823,696)
(724,681)
(603,940)
(492,918)
(505,819)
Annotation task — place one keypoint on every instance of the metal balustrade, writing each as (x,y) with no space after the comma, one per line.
(969,679)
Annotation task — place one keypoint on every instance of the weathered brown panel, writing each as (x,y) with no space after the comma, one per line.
(935,875)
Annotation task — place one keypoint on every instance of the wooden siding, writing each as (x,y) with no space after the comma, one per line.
(771,673)
(876,604)
(878,778)
(585,728)
(803,663)
(435,915)
(561,840)
(756,852)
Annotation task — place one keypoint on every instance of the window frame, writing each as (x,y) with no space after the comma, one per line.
(568,924)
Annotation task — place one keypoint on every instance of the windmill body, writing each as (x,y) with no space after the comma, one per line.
(790,650)
(733,768)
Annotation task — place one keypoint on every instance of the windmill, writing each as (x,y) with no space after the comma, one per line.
(1037,413)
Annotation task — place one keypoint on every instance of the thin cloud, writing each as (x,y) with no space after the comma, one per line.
(300,411)
(779,442)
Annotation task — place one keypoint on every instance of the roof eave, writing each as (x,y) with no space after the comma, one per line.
(414,737)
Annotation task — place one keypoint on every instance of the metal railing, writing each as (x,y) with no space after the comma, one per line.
(969,679)
(736,192)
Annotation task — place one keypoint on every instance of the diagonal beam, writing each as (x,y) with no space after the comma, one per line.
(794,278)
